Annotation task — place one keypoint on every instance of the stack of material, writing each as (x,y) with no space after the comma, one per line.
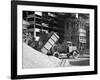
(35,59)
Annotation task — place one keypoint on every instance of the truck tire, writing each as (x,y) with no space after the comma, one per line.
(56,54)
(75,54)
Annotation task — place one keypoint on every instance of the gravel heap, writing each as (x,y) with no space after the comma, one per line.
(35,59)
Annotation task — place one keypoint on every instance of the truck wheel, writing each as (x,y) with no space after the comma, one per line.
(75,54)
(56,54)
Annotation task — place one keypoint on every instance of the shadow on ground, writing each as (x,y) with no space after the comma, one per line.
(80,63)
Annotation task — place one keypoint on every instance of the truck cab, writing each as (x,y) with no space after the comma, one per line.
(67,49)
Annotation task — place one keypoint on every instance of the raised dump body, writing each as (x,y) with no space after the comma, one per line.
(50,42)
